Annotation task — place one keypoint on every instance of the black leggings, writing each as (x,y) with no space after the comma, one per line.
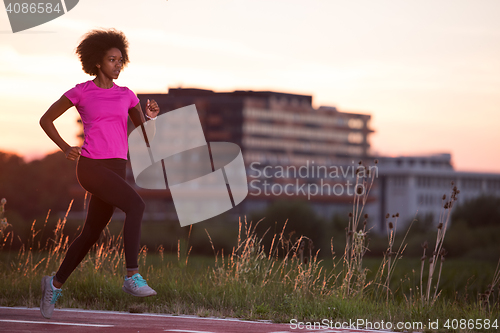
(105,180)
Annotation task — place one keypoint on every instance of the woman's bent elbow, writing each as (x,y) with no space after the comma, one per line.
(44,122)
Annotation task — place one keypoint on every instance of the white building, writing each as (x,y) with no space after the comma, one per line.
(413,186)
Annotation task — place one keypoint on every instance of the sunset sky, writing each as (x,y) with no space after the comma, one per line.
(428,72)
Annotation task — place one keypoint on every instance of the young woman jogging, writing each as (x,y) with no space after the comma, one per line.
(104,108)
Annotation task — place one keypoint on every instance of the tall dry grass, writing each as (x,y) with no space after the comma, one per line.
(287,280)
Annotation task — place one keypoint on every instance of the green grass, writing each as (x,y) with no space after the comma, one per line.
(284,282)
(198,289)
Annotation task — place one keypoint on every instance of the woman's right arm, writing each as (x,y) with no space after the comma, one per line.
(47,123)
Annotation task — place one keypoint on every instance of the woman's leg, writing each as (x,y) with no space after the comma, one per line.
(109,189)
(98,215)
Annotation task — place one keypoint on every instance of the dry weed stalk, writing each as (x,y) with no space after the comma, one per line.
(439,252)
(4,236)
(391,257)
(488,298)
(356,236)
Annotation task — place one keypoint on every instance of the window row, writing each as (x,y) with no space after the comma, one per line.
(319,119)
(296,132)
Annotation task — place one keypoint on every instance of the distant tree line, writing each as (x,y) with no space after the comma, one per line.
(33,188)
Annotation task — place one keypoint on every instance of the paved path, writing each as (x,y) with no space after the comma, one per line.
(16,319)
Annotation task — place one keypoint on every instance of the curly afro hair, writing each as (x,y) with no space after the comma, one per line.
(96,43)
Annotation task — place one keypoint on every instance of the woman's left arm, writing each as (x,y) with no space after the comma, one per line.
(137,117)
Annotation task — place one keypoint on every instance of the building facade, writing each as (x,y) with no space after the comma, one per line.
(413,186)
(291,149)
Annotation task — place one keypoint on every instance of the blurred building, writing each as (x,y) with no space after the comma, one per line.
(291,149)
(413,186)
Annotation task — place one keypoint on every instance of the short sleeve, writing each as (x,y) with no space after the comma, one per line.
(133,99)
(74,94)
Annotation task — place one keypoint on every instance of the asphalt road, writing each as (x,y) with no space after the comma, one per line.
(16,319)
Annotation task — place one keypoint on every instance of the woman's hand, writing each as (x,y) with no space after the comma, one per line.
(152,108)
(72,153)
(139,117)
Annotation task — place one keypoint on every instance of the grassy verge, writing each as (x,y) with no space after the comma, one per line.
(246,284)
(287,281)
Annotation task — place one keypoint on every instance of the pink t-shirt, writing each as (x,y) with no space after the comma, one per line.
(104,115)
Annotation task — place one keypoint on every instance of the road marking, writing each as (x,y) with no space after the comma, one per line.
(158,315)
(53,323)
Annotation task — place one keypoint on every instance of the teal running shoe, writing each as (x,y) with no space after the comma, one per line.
(137,286)
(50,295)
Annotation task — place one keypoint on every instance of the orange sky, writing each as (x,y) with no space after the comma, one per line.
(428,72)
